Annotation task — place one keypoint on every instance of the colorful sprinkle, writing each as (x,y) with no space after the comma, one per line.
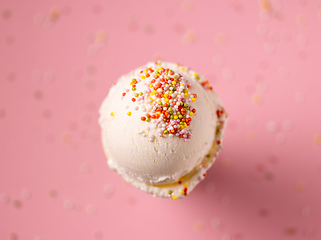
(168,100)
(129,113)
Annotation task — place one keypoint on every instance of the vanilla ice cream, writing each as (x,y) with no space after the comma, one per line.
(162,127)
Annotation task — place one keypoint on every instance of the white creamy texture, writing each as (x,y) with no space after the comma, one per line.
(166,159)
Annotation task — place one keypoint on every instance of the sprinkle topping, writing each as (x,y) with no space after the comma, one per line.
(168,100)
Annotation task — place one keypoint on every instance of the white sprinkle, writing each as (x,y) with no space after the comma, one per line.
(136,108)
(126,106)
(144,135)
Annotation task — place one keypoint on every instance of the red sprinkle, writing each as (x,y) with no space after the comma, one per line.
(124,94)
(134,99)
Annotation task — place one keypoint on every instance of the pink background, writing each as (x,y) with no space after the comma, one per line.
(60,57)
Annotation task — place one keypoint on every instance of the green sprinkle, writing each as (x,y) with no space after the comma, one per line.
(148,120)
(170,191)
(136,94)
(185,104)
(208,155)
(141,94)
(181,103)
(134,89)
(170,109)
(175,77)
(165,132)
(180,116)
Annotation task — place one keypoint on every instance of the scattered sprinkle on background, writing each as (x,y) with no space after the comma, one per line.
(58,61)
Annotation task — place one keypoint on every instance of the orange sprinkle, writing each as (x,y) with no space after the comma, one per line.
(143,118)
(134,99)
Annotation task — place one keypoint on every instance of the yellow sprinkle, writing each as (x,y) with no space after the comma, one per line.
(150,85)
(196,75)
(170,92)
(191,113)
(112,114)
(129,113)
(174,197)
(182,84)
(186,94)
(166,100)
(193,99)
(174,83)
(185,125)
(183,69)
(143,77)
(154,91)
(159,113)
(175,117)
(182,191)
(185,185)
(151,100)
(152,94)
(166,95)
(172,131)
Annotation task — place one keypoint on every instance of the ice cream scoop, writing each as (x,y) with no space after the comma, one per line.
(162,127)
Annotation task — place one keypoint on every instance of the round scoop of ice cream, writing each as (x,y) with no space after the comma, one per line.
(162,126)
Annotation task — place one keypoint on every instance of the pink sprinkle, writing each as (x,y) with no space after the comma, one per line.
(183,131)
(160,134)
(127,90)
(184,136)
(185,139)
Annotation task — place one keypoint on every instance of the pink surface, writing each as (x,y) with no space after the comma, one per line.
(58,60)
